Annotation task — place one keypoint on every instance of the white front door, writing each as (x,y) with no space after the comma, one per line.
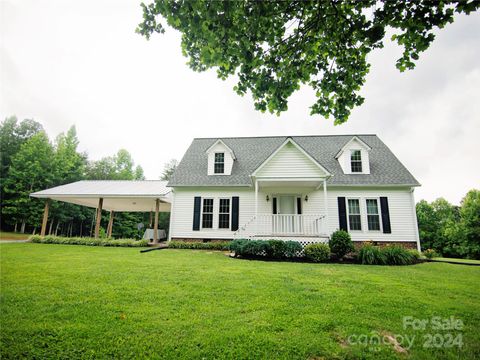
(286,204)
(285,221)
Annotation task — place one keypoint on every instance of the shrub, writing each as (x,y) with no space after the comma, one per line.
(292,249)
(214,245)
(341,243)
(430,253)
(398,255)
(275,249)
(87,241)
(371,255)
(388,255)
(317,252)
(245,247)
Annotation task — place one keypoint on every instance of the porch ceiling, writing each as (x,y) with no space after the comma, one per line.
(117,204)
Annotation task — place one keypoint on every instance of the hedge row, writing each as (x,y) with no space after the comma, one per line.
(274,249)
(388,255)
(218,245)
(87,241)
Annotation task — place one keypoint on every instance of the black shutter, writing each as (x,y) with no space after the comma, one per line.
(196,213)
(385,215)
(299,206)
(342,214)
(274,202)
(235,212)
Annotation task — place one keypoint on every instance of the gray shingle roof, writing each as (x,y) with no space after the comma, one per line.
(251,152)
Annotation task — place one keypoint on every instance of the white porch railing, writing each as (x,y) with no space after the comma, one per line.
(283,225)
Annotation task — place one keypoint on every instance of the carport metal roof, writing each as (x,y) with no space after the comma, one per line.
(118,195)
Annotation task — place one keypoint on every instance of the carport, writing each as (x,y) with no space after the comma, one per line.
(113,196)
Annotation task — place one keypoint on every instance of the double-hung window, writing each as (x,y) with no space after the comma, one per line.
(219,164)
(354,217)
(356,161)
(373,215)
(207,214)
(224,214)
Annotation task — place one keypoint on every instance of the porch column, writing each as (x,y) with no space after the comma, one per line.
(45,217)
(110,224)
(99,217)
(155,225)
(256,206)
(325,205)
(256,198)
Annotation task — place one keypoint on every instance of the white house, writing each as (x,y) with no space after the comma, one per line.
(297,188)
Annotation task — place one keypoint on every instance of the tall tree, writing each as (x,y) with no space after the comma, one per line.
(118,167)
(169,169)
(69,166)
(69,163)
(12,136)
(31,170)
(275,46)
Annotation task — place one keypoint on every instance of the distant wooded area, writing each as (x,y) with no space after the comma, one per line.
(30,162)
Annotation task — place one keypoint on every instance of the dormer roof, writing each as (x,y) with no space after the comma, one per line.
(347,145)
(219,141)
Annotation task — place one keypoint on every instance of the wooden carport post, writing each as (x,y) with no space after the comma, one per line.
(45,218)
(99,217)
(110,224)
(155,226)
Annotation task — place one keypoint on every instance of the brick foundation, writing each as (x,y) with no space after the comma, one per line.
(406,245)
(192,240)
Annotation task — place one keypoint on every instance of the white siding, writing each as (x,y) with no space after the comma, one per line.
(400,203)
(183,211)
(289,161)
(219,147)
(400,207)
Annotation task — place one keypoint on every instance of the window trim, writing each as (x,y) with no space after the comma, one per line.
(222,213)
(215,162)
(212,213)
(356,161)
(360,213)
(379,213)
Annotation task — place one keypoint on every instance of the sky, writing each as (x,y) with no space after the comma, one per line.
(66,62)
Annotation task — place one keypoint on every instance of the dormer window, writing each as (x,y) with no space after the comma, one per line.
(354,157)
(356,161)
(220,159)
(219,165)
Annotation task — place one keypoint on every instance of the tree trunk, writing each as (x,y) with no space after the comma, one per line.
(15,228)
(93,221)
(34,231)
(81,228)
(51,227)
(56,229)
(22,228)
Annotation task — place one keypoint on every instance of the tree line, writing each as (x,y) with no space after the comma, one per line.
(452,231)
(30,162)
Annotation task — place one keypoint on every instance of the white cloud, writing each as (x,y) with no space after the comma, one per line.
(65,62)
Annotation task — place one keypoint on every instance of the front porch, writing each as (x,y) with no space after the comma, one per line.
(284,225)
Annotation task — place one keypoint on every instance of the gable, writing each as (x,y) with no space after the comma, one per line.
(220,147)
(343,156)
(290,161)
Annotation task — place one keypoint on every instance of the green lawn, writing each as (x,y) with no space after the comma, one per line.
(63,301)
(465,261)
(5,235)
